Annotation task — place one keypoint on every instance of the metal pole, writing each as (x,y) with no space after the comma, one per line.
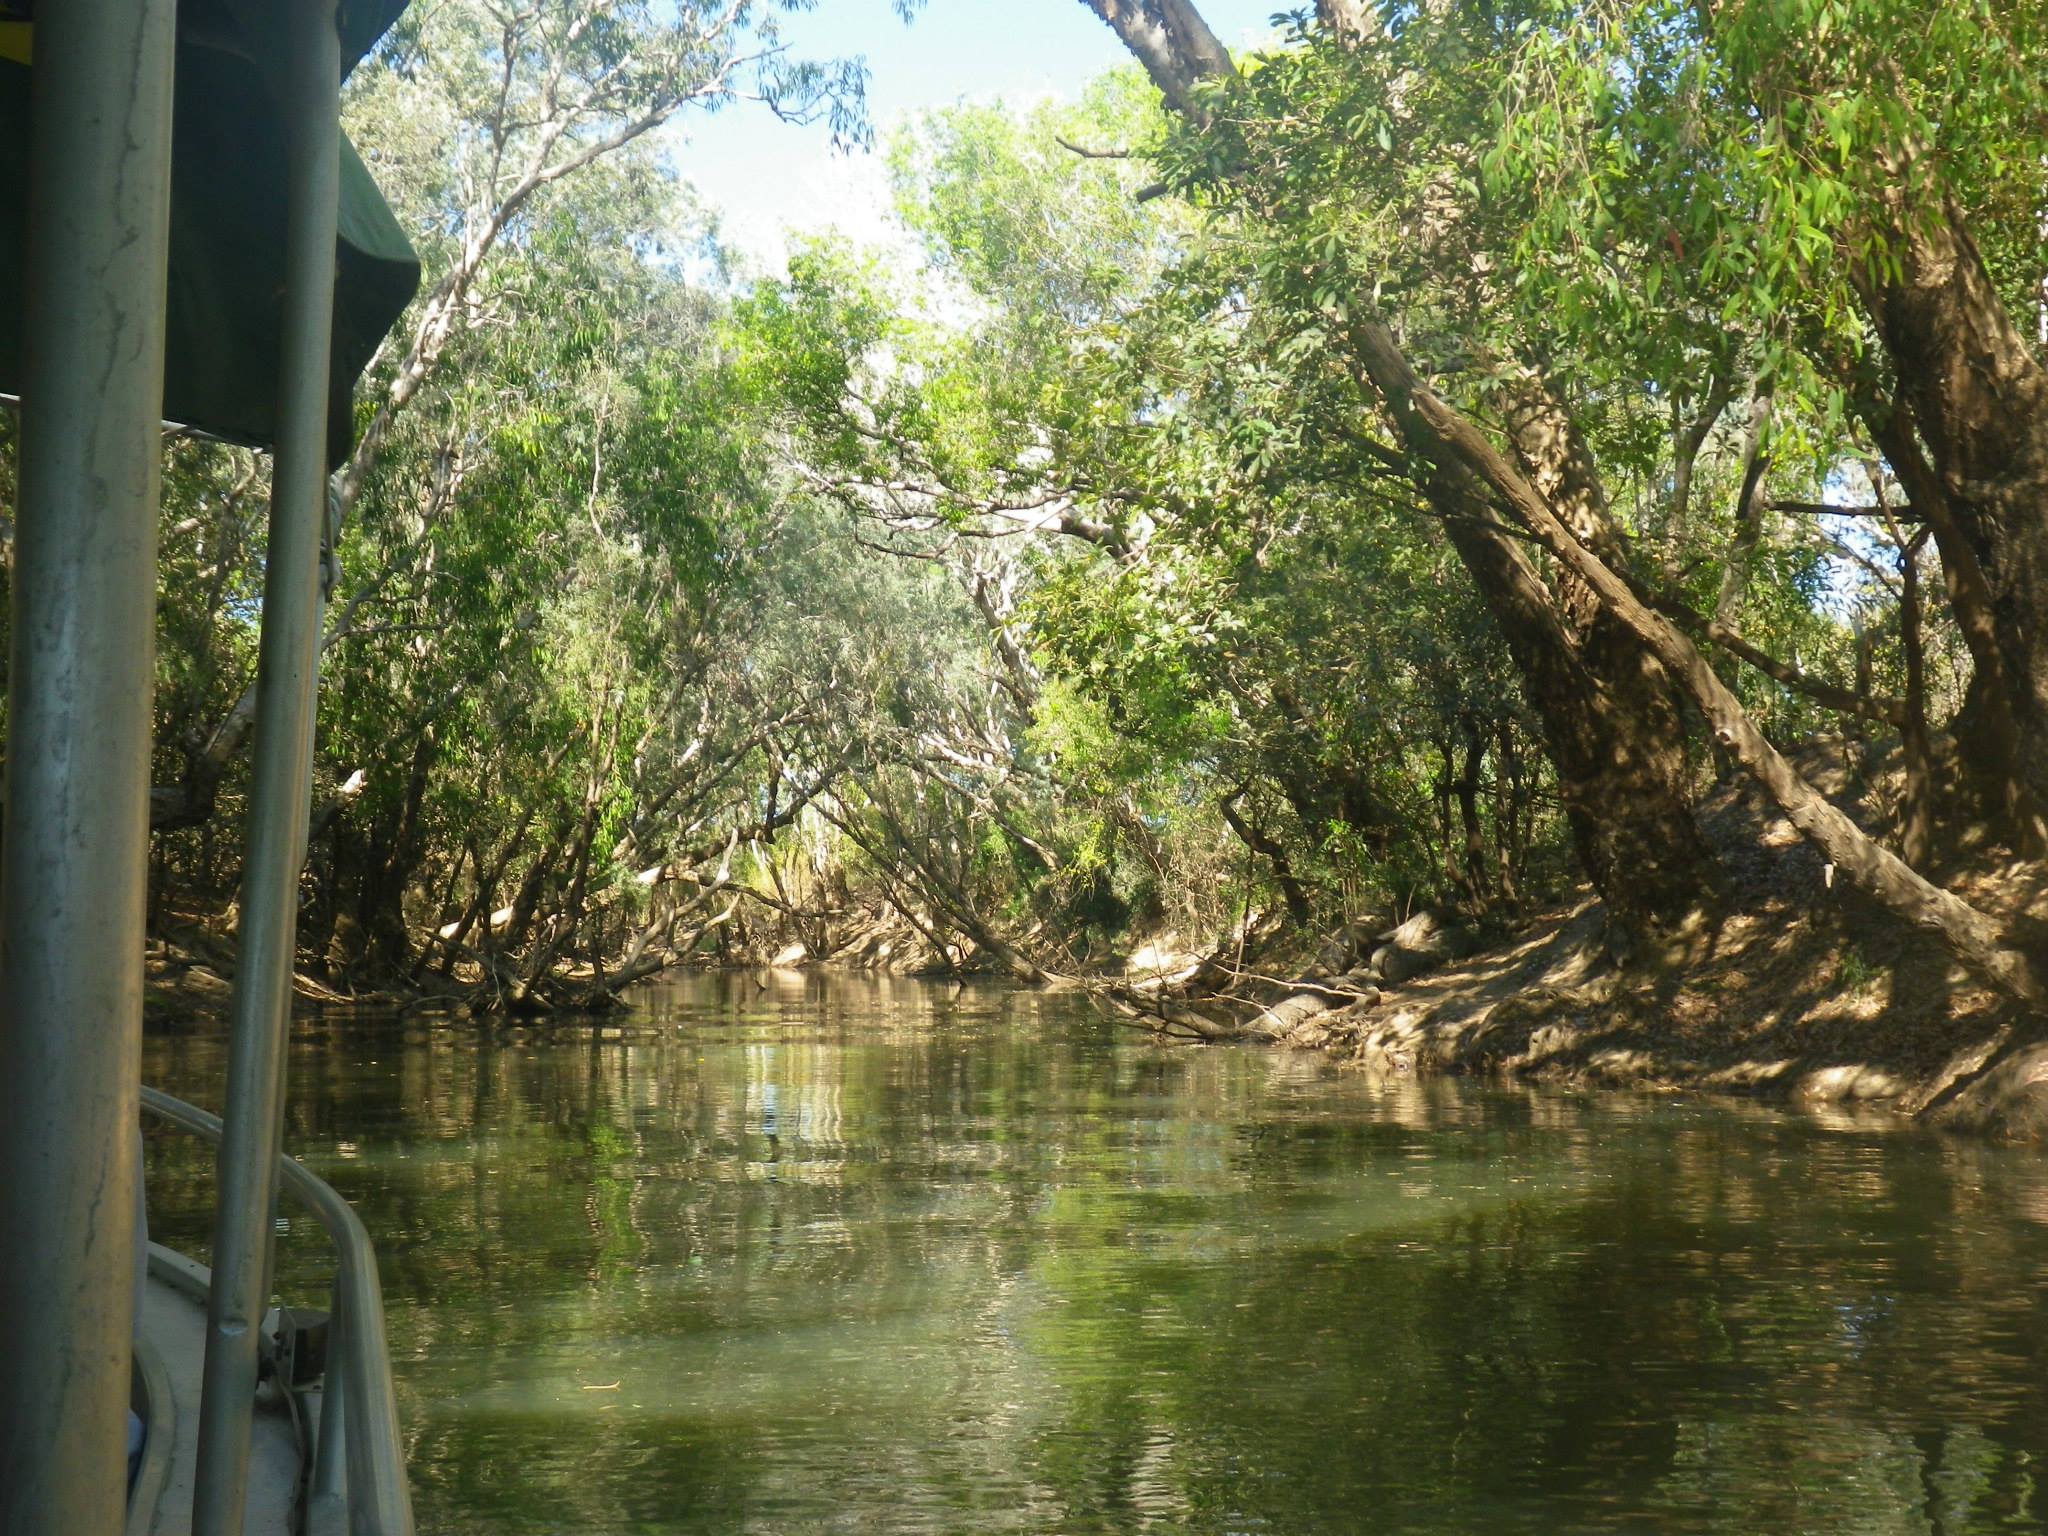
(330,1462)
(287,660)
(74,868)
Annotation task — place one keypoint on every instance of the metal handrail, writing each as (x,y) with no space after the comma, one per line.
(359,1450)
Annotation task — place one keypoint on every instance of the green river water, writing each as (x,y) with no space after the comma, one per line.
(848,1255)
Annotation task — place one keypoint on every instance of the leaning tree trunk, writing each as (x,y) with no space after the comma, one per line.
(1609,720)
(1971,936)
(1299,907)
(1609,723)
(1637,729)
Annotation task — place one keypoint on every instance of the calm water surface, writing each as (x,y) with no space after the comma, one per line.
(841,1255)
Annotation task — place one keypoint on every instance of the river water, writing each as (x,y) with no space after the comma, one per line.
(884,1256)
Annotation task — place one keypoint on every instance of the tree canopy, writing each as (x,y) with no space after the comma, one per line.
(1411,465)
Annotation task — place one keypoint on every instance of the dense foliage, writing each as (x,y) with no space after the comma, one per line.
(1293,485)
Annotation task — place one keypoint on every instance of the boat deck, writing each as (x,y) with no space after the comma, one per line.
(171,1352)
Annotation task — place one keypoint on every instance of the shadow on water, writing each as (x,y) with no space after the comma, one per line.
(882,1256)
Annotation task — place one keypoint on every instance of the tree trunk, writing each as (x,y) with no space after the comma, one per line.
(1686,442)
(1629,778)
(1507,814)
(526,904)
(1984,728)
(1979,397)
(1467,791)
(1352,23)
(1610,723)
(381,906)
(1749,513)
(1916,835)
(1971,936)
(1608,716)
(1172,41)
(567,919)
(1291,891)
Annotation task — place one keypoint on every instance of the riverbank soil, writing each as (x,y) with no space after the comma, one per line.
(189,967)
(1794,988)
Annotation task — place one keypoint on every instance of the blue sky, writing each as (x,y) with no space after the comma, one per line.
(766,176)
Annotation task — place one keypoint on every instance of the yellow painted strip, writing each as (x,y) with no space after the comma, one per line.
(17,41)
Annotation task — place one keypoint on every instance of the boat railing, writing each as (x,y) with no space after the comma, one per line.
(357,1478)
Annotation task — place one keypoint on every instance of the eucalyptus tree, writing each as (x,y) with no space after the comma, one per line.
(487,106)
(1312,239)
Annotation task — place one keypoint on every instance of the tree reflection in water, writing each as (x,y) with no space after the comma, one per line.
(883,1256)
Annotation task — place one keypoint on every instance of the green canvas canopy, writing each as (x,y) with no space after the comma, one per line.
(224,305)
